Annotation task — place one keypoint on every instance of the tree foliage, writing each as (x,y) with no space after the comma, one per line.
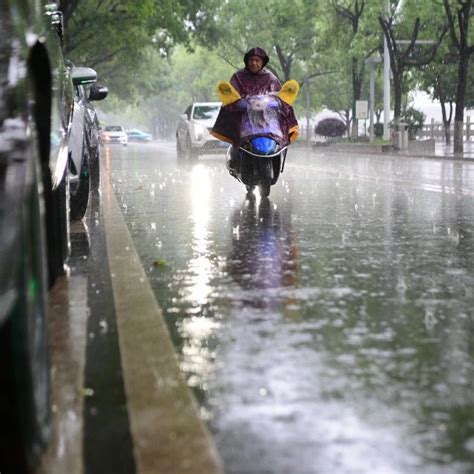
(460,16)
(404,30)
(288,31)
(160,55)
(330,127)
(115,37)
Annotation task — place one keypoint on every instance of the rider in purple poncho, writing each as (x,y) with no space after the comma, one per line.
(253,80)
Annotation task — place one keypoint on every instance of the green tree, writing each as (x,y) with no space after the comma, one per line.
(179,80)
(404,28)
(460,17)
(357,31)
(289,31)
(114,36)
(436,79)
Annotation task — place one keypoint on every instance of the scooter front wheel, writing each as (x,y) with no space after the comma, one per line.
(264,188)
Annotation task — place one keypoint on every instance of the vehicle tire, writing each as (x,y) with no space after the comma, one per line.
(179,150)
(94,165)
(24,364)
(190,153)
(80,198)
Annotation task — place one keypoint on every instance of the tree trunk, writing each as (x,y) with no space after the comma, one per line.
(460,102)
(397,86)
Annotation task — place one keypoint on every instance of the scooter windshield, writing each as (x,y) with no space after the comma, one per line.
(261,117)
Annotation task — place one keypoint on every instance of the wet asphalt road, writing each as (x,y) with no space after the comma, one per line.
(328,329)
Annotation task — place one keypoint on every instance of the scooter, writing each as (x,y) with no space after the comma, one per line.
(260,145)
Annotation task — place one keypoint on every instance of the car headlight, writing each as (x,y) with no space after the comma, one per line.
(198,132)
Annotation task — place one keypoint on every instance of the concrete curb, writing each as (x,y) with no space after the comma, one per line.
(168,434)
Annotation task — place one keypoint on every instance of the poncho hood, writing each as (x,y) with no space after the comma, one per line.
(256,52)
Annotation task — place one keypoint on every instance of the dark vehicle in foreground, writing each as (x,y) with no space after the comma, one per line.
(192,134)
(136,135)
(83,163)
(36,99)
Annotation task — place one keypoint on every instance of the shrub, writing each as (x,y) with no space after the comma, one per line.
(330,127)
(414,120)
(378,130)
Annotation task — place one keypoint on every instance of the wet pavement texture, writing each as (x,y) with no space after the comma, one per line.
(327,329)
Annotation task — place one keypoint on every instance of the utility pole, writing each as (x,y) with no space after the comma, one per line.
(386,81)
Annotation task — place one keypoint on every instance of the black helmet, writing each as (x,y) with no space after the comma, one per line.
(256,52)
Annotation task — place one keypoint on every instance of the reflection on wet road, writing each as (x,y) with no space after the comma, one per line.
(327,329)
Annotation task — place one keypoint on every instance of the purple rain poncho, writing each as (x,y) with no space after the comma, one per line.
(249,83)
(232,123)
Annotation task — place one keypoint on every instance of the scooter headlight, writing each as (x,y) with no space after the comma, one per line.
(263,145)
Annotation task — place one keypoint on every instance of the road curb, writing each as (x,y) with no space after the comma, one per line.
(168,434)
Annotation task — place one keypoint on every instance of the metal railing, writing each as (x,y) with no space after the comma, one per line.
(436,130)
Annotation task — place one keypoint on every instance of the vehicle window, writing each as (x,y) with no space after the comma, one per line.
(114,128)
(206,112)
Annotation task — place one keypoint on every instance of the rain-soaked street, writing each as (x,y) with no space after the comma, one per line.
(328,329)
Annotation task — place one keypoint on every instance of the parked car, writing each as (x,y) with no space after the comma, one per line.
(36,98)
(83,163)
(114,134)
(192,134)
(136,135)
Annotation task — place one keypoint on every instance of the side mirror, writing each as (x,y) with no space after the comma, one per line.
(184,117)
(83,75)
(98,92)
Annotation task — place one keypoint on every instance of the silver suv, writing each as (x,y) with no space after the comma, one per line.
(192,135)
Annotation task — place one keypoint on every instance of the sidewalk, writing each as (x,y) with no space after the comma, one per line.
(417,150)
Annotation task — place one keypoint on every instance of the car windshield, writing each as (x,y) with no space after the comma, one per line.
(113,128)
(206,112)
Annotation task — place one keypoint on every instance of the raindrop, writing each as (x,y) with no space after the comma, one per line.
(103,326)
(469,445)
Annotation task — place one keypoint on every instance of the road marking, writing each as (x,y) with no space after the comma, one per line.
(168,434)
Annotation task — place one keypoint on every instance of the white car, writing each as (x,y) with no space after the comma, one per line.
(192,135)
(114,134)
